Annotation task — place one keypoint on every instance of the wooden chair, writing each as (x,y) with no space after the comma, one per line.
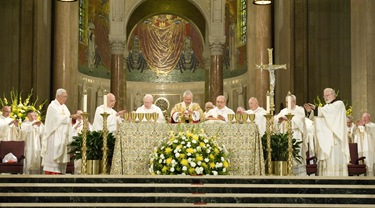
(311,168)
(17,148)
(355,167)
(70,165)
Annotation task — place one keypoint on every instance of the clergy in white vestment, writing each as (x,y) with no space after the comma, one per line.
(351,128)
(259,112)
(149,107)
(32,132)
(188,108)
(8,126)
(365,138)
(207,107)
(298,128)
(57,136)
(331,134)
(78,125)
(221,111)
(113,118)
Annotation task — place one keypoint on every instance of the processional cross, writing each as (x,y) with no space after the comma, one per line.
(271,69)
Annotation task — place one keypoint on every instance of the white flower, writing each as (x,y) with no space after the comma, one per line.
(188,154)
(188,144)
(214,172)
(175,141)
(206,160)
(205,140)
(222,159)
(160,160)
(193,164)
(172,169)
(224,170)
(162,156)
(177,155)
(208,151)
(199,149)
(158,172)
(184,168)
(199,163)
(182,142)
(218,165)
(194,141)
(199,170)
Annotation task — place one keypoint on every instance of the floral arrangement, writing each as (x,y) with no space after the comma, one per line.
(20,106)
(189,152)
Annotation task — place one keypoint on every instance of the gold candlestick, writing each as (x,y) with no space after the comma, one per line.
(84,143)
(289,116)
(269,118)
(105,146)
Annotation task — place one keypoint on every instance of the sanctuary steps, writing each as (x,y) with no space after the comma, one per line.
(185,191)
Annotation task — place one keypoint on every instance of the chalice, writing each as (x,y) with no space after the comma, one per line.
(133,116)
(155,116)
(230,117)
(148,116)
(245,116)
(140,117)
(252,117)
(126,117)
(238,117)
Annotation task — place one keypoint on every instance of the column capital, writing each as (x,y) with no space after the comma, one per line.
(217,45)
(117,46)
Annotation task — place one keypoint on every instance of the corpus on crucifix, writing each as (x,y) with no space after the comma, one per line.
(271,69)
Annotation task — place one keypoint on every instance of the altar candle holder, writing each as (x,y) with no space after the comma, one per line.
(269,118)
(105,146)
(84,143)
(289,116)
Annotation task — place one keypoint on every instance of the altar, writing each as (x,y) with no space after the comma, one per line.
(136,141)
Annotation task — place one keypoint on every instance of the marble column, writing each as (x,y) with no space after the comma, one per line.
(259,39)
(216,85)
(118,81)
(362,53)
(65,51)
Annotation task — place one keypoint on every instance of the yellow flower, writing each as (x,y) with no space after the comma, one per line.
(202,144)
(195,137)
(199,158)
(184,162)
(164,170)
(169,160)
(212,165)
(189,134)
(179,146)
(190,150)
(191,170)
(204,165)
(225,164)
(212,156)
(182,155)
(216,150)
(168,150)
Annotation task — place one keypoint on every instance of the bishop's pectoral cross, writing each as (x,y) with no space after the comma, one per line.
(271,68)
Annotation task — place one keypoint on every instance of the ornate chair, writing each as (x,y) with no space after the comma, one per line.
(17,148)
(355,167)
(311,168)
(163,104)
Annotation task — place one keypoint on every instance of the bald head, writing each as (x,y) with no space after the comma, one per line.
(253,103)
(111,100)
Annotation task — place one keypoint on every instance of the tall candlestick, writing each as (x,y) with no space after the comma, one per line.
(289,98)
(85,102)
(105,102)
(268,102)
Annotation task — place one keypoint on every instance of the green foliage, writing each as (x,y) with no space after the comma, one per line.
(94,144)
(279,147)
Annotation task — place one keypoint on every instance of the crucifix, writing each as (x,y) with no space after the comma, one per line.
(271,69)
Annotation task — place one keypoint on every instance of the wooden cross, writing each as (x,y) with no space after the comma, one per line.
(271,68)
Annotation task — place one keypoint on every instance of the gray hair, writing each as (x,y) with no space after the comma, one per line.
(293,97)
(186,93)
(148,96)
(60,91)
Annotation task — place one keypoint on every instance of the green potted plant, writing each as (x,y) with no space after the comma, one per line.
(94,144)
(279,153)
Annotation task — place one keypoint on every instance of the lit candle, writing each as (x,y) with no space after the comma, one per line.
(105,102)
(268,103)
(85,102)
(289,97)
